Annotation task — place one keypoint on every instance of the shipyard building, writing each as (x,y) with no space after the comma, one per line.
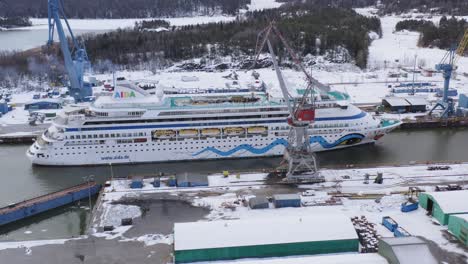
(443,204)
(260,238)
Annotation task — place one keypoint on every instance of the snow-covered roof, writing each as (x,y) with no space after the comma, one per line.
(293,196)
(410,250)
(46,100)
(452,201)
(370,258)
(398,241)
(416,100)
(462,216)
(288,229)
(397,101)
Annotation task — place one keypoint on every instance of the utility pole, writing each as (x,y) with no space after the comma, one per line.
(112,176)
(88,180)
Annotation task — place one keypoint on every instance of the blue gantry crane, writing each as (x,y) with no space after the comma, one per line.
(447,66)
(76,59)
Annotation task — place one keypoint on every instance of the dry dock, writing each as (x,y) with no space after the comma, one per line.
(31,207)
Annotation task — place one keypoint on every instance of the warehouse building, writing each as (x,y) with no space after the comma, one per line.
(259,238)
(43,104)
(417,104)
(396,104)
(351,258)
(443,204)
(458,226)
(406,250)
(405,105)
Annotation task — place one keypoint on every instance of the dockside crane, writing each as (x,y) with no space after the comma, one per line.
(447,66)
(302,165)
(76,59)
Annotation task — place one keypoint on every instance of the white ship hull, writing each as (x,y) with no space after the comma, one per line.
(191,149)
(194,128)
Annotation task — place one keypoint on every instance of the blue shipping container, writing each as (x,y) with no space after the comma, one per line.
(136,184)
(408,206)
(183,184)
(450,92)
(389,223)
(287,200)
(3,108)
(156,183)
(172,182)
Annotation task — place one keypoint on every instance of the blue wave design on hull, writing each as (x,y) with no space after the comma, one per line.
(246,147)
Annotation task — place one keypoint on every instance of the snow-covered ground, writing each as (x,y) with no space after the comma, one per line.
(257,5)
(369,86)
(113,24)
(226,193)
(417,223)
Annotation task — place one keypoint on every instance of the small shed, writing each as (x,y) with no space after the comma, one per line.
(3,107)
(417,104)
(136,183)
(463,101)
(443,204)
(287,200)
(458,226)
(43,104)
(259,202)
(406,250)
(267,237)
(396,104)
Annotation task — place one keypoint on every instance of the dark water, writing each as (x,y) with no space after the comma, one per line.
(21,181)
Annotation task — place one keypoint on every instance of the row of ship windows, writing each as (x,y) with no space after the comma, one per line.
(164,144)
(170,144)
(110,135)
(142,134)
(188,119)
(147,150)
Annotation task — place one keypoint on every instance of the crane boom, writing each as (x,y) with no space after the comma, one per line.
(462,46)
(75,62)
(279,74)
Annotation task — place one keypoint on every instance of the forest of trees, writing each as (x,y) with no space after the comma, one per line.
(151,24)
(302,24)
(447,34)
(452,7)
(340,31)
(11,22)
(123,9)
(334,3)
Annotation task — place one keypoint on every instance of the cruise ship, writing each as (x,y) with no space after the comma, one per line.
(133,127)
